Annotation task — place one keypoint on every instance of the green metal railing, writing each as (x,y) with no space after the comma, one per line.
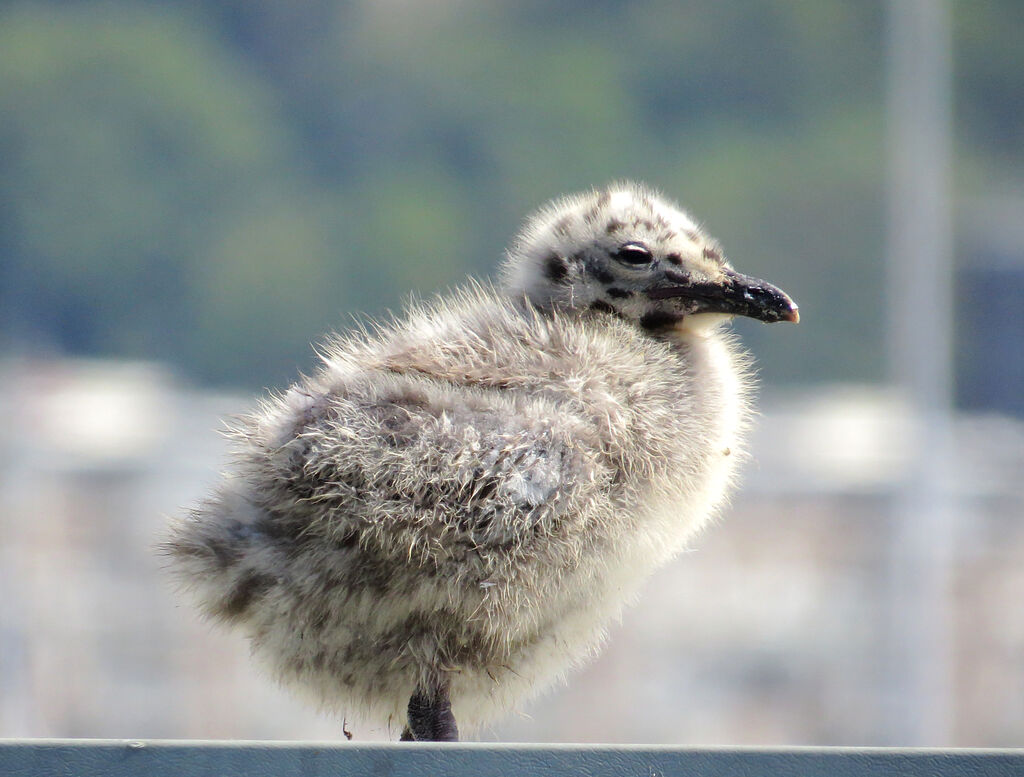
(165,758)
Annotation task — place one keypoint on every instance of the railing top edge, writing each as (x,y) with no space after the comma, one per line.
(559,746)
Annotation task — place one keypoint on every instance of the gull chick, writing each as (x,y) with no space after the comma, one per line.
(447,515)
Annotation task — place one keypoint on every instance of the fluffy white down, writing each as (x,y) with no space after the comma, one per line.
(471,492)
(656,429)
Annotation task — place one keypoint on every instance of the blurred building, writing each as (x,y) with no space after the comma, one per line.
(772,631)
(990,370)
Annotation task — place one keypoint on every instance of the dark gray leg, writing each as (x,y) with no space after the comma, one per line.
(430,717)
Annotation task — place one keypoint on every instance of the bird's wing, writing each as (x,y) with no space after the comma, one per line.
(415,466)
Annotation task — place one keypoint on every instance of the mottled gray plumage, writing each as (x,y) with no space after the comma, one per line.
(456,505)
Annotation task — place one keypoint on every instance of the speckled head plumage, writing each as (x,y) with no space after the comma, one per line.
(627,251)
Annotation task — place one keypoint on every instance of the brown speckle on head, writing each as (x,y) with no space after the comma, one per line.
(556,269)
(616,293)
(693,235)
(561,226)
(711,252)
(659,320)
(601,275)
(613,226)
(674,258)
(591,215)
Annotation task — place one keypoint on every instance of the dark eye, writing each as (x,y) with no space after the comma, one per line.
(633,253)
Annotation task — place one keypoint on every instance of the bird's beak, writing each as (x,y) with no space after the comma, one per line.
(735,295)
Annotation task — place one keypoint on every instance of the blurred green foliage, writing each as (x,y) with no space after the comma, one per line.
(217,184)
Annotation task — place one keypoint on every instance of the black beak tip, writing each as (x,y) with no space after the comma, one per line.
(774,305)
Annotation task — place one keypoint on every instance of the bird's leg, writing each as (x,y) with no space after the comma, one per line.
(430,716)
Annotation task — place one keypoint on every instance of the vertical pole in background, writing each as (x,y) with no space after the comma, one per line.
(920,328)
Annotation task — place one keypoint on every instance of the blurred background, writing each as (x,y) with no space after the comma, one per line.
(191,193)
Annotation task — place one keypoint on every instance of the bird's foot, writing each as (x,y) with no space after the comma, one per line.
(430,717)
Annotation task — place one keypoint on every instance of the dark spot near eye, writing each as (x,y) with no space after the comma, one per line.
(603,307)
(613,226)
(600,274)
(674,258)
(555,268)
(657,320)
(616,293)
(712,253)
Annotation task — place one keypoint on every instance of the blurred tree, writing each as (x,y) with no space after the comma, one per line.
(990,82)
(764,118)
(129,137)
(217,183)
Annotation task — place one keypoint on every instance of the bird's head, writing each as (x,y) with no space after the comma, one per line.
(626,251)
